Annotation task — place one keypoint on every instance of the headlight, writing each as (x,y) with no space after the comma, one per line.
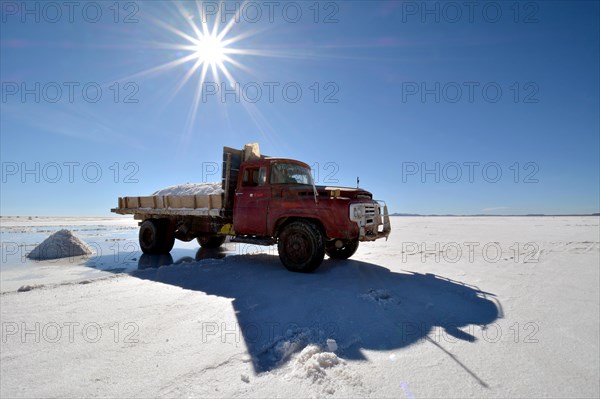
(357,212)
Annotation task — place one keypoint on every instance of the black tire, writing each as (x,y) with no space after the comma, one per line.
(211,241)
(346,251)
(169,236)
(301,248)
(156,236)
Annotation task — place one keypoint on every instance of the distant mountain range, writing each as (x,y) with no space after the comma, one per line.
(485,214)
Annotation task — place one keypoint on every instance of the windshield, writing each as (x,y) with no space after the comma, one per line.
(290,173)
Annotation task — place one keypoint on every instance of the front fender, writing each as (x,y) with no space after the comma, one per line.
(333,220)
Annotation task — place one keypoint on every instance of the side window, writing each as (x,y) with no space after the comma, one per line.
(250,178)
(254,177)
(277,176)
(262,176)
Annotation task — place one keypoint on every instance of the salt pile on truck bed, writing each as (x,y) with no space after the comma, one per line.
(202,197)
(61,244)
(192,199)
(192,189)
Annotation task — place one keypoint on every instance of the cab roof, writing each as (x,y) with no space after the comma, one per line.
(275,160)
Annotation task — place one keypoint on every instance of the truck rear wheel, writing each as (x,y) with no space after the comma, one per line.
(301,247)
(346,250)
(211,241)
(155,236)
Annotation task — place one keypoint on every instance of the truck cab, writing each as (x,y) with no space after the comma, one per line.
(276,201)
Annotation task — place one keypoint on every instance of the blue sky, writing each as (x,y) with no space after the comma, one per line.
(390,90)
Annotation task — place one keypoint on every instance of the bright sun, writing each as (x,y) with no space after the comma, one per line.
(210,49)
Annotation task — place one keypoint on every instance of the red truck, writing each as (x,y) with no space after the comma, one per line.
(264,201)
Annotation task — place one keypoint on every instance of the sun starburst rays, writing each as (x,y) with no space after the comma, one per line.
(206,53)
(205,47)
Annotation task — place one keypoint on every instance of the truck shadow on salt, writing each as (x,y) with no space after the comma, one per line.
(345,306)
(128,262)
(153,261)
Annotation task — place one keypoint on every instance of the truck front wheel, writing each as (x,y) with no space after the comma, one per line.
(211,241)
(341,250)
(301,247)
(155,236)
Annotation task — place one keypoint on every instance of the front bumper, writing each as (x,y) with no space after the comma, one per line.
(372,219)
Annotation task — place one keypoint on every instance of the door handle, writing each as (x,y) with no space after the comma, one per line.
(239,193)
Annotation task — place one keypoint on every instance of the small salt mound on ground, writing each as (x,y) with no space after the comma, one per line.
(191,189)
(61,244)
(312,362)
(328,371)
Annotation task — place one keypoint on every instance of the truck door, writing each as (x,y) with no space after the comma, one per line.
(251,202)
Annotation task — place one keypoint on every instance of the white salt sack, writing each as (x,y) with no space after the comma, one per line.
(251,152)
(61,244)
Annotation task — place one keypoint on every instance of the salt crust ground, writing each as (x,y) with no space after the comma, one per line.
(391,322)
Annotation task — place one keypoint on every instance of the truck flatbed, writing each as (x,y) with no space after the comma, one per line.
(192,205)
